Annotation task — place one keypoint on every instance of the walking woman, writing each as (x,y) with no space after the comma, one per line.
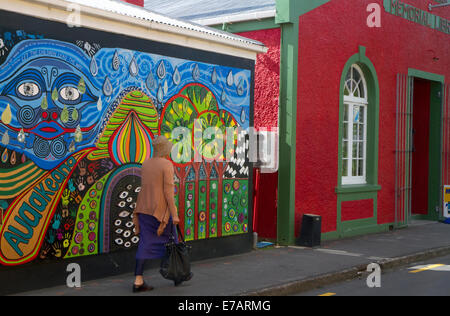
(156,214)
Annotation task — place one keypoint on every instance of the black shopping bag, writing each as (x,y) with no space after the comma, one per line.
(176,264)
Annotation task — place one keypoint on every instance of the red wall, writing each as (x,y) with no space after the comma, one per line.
(267,83)
(329,36)
(352,210)
(135,2)
(267,78)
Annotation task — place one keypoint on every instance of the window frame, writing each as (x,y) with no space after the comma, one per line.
(350,103)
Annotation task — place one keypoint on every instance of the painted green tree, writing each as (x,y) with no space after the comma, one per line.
(196,109)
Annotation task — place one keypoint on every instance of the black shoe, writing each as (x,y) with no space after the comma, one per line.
(141,288)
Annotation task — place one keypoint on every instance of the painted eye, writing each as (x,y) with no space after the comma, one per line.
(127,234)
(119,241)
(135,240)
(69,93)
(28,89)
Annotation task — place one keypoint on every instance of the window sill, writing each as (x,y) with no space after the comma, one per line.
(357,188)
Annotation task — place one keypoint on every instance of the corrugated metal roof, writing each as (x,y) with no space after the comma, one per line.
(130,10)
(203,9)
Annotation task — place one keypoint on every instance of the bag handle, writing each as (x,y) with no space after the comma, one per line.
(181,234)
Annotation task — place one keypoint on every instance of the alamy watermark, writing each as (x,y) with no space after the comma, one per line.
(232,144)
(74,278)
(374,18)
(374,278)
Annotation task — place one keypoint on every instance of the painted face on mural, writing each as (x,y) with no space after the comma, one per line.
(51,102)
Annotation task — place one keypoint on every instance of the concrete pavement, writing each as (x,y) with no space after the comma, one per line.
(284,270)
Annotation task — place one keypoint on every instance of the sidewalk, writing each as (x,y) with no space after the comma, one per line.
(284,270)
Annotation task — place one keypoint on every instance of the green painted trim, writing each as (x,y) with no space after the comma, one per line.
(287,134)
(364,229)
(426,75)
(330,236)
(348,189)
(435,159)
(284,12)
(248,26)
(372,229)
(420,217)
(288,11)
(359,225)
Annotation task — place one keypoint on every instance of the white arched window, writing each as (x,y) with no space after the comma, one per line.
(354,142)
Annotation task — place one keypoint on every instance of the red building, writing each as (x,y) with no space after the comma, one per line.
(406,65)
(363,95)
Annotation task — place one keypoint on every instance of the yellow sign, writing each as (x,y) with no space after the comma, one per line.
(446,197)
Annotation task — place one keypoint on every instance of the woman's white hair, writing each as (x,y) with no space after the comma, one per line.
(162,147)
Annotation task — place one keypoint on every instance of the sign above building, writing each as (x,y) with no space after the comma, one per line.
(413,14)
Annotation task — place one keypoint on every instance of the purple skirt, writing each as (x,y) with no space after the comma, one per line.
(152,246)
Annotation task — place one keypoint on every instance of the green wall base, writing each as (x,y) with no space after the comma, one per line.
(357,230)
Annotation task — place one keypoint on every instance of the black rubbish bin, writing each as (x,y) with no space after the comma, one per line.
(310,235)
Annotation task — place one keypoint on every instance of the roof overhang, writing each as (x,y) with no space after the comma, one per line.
(236,18)
(147,26)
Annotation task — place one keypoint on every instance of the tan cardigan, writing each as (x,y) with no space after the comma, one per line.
(157,196)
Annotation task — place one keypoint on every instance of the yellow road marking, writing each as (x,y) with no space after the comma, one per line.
(426,268)
(328,294)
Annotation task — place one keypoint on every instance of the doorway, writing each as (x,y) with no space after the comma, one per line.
(421,146)
(426,150)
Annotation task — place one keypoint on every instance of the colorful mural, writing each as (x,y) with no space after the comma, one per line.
(76,122)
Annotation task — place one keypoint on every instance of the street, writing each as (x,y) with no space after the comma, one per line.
(429,278)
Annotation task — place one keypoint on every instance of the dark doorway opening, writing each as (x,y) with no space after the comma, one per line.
(426,141)
(421,146)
